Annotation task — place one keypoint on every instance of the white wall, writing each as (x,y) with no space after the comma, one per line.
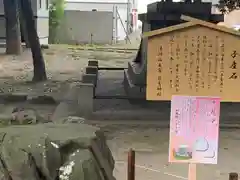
(43,20)
(101,1)
(104,6)
(89,6)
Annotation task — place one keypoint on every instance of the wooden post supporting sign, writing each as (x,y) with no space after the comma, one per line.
(131,165)
(192,171)
(233,176)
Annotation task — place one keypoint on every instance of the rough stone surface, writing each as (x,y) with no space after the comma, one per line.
(54,151)
(78,101)
(69,105)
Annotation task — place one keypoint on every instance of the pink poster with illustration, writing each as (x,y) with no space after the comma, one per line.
(194,129)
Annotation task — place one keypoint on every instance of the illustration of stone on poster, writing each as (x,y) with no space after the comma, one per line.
(194,129)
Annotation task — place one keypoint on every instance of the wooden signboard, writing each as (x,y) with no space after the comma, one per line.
(195,58)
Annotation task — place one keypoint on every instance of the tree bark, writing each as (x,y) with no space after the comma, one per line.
(23,28)
(38,61)
(13,35)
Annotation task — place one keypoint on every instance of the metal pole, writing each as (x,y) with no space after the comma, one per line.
(128,18)
(116,21)
(114,28)
(125,30)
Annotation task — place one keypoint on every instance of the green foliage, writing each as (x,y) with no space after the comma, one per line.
(56,14)
(226,6)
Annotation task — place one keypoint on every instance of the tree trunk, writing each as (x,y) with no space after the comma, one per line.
(38,61)
(23,28)
(13,36)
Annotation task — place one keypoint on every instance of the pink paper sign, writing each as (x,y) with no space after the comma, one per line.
(194,129)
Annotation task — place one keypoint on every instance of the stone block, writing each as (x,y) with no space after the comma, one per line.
(133,91)
(91,70)
(89,78)
(85,99)
(93,63)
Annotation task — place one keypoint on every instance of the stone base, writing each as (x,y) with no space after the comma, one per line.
(85,99)
(133,91)
(137,74)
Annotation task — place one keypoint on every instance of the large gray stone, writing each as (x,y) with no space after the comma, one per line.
(77,102)
(69,105)
(55,151)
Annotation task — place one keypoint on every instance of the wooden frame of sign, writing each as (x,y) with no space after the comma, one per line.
(195,58)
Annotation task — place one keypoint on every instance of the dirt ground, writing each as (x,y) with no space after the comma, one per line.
(151,145)
(149,139)
(63,65)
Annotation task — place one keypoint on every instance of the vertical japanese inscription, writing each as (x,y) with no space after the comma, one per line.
(222,50)
(197,63)
(216,59)
(159,70)
(185,54)
(204,58)
(233,66)
(210,58)
(171,54)
(177,78)
(177,120)
(191,58)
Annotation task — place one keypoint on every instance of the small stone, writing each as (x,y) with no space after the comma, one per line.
(24,116)
(74,119)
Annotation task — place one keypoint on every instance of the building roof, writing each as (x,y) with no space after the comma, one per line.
(191,22)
